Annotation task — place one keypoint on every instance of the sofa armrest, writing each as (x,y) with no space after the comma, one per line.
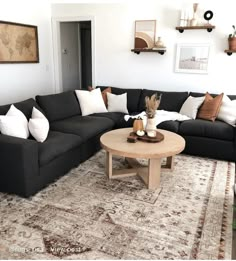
(19,168)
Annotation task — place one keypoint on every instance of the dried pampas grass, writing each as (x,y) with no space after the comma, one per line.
(152,103)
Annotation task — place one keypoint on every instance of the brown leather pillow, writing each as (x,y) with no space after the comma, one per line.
(210,107)
(104,93)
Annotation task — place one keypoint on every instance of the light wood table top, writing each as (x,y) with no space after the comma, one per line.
(115,142)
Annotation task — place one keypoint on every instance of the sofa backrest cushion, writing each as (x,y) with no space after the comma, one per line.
(59,106)
(25,106)
(170,101)
(133,96)
(198,94)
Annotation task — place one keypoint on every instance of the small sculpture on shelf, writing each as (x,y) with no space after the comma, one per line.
(208,16)
(159,45)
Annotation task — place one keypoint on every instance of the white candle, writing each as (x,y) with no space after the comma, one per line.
(182,14)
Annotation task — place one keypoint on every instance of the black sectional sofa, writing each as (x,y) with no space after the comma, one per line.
(27,166)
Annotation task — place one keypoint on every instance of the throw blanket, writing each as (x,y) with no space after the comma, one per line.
(160,116)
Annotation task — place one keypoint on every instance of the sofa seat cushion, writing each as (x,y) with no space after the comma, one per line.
(84,126)
(116,117)
(202,128)
(56,144)
(169,126)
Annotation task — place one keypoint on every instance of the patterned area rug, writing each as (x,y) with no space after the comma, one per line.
(85,216)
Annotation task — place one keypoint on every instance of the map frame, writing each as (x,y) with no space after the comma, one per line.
(8,37)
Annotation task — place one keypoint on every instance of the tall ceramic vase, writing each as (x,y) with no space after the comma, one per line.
(194,21)
(151,127)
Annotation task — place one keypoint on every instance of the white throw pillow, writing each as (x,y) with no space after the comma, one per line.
(38,125)
(91,101)
(227,111)
(117,103)
(191,105)
(14,123)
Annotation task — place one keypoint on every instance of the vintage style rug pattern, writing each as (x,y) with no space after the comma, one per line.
(86,216)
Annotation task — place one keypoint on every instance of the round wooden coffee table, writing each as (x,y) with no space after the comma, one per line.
(115,143)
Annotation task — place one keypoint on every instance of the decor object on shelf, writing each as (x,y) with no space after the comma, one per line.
(19,43)
(208,15)
(159,45)
(183,18)
(192,58)
(145,32)
(194,20)
(232,39)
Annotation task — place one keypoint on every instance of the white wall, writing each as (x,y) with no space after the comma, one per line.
(22,81)
(116,65)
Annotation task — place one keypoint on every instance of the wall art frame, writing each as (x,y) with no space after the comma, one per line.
(192,58)
(18,43)
(145,34)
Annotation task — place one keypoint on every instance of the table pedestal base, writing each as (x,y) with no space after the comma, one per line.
(150,174)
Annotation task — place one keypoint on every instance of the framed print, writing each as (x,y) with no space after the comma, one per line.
(145,32)
(192,58)
(18,43)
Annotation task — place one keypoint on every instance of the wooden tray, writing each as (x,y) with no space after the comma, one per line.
(159,137)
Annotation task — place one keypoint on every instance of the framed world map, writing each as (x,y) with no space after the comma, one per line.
(18,43)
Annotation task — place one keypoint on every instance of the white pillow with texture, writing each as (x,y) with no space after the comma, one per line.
(38,125)
(14,123)
(91,101)
(227,111)
(117,103)
(191,105)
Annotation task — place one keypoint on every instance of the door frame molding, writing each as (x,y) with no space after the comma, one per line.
(56,40)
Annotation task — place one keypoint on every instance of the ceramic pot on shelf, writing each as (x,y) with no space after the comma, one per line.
(159,43)
(232,43)
(194,20)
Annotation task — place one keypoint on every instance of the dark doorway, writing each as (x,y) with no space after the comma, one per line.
(86,54)
(76,58)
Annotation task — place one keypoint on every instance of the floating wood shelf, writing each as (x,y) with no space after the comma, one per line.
(138,51)
(209,28)
(230,52)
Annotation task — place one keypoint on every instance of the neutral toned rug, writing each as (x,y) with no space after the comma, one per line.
(85,216)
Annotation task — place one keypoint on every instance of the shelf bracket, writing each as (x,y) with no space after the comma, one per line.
(229,53)
(209,30)
(181,30)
